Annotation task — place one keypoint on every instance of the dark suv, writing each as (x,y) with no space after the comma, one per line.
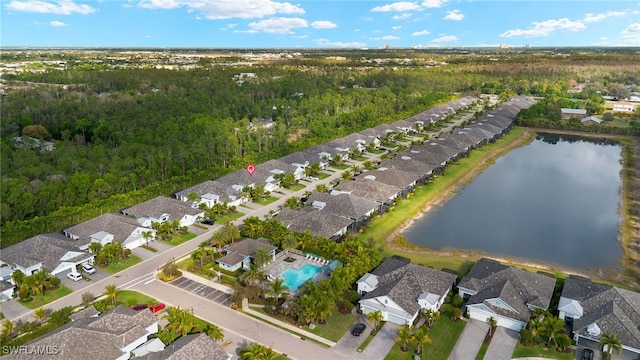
(587,354)
(358,329)
(207,222)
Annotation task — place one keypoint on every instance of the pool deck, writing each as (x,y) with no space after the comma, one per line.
(275,268)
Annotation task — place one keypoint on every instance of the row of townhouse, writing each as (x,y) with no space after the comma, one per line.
(401,290)
(132,227)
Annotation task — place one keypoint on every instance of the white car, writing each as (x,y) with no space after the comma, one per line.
(86,267)
(74,276)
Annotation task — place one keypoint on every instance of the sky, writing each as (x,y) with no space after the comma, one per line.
(318,23)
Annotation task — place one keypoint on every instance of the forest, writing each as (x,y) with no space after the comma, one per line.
(124,134)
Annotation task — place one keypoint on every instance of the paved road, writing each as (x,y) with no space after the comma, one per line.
(470,340)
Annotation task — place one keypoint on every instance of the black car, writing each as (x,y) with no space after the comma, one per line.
(358,329)
(587,354)
(207,222)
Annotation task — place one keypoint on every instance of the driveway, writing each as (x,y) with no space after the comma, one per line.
(378,348)
(470,341)
(502,344)
(348,344)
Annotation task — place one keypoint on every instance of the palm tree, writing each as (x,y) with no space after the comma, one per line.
(255,274)
(610,342)
(8,327)
(292,203)
(41,278)
(553,327)
(147,235)
(289,242)
(262,257)
(536,327)
(41,314)
(276,289)
(17,277)
(492,324)
(256,351)
(180,321)
(346,175)
(322,188)
(432,317)
(199,254)
(375,317)
(215,333)
(96,247)
(111,291)
(404,336)
(421,337)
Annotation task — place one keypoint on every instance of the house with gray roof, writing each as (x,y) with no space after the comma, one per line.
(318,222)
(572,113)
(108,228)
(212,192)
(593,309)
(189,347)
(379,192)
(275,167)
(240,255)
(403,180)
(112,335)
(591,120)
(505,293)
(161,209)
(348,206)
(6,291)
(400,290)
(406,163)
(54,252)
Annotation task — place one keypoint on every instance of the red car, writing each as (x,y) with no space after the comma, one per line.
(157,307)
(139,307)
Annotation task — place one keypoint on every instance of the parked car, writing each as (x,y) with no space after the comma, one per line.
(208,222)
(86,267)
(587,354)
(74,276)
(157,307)
(358,329)
(139,307)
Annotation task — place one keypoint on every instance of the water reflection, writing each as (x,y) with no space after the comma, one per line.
(554,200)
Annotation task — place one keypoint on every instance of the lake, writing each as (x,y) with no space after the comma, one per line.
(554,200)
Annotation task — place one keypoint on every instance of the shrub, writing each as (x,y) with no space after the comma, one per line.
(457,301)
(526,338)
(456,313)
(54,281)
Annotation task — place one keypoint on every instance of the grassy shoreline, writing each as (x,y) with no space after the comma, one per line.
(386,231)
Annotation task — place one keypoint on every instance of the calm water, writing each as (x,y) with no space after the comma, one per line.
(554,200)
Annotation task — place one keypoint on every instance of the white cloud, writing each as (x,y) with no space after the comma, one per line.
(420,33)
(402,16)
(278,25)
(400,6)
(454,15)
(227,9)
(386,37)
(445,39)
(599,17)
(322,24)
(57,23)
(433,3)
(396,27)
(544,28)
(631,34)
(340,44)
(301,37)
(61,7)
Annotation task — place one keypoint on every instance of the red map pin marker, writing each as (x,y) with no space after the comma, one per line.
(251,169)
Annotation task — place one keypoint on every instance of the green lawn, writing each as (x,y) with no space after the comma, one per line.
(337,325)
(126,295)
(540,351)
(444,335)
(266,201)
(228,217)
(120,265)
(323,176)
(181,238)
(47,297)
(482,352)
(297,187)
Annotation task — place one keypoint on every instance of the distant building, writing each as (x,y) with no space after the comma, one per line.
(572,113)
(623,107)
(591,120)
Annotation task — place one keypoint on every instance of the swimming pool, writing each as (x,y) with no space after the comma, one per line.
(294,278)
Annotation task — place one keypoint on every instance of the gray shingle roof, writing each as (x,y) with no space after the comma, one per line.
(161,205)
(318,222)
(46,248)
(119,226)
(615,310)
(189,347)
(398,178)
(515,287)
(87,337)
(369,189)
(212,187)
(345,205)
(404,282)
(239,251)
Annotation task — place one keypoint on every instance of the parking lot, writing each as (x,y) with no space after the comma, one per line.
(205,291)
